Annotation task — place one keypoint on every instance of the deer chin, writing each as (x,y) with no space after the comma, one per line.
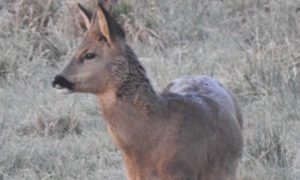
(64,91)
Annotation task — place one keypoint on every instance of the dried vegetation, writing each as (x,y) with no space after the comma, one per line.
(250,45)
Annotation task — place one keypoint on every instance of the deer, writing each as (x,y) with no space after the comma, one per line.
(192,130)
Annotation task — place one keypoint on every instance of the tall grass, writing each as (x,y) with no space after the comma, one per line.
(252,46)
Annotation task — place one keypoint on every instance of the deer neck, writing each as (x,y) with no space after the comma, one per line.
(130,109)
(140,99)
(131,87)
(130,120)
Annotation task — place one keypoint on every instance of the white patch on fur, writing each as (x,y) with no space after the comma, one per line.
(64,91)
(203,86)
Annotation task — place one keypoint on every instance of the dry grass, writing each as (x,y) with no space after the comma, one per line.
(250,45)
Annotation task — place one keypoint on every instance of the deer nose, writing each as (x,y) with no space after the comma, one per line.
(60,82)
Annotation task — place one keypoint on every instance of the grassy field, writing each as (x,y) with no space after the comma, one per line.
(252,46)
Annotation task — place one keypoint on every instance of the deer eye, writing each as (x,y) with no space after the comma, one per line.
(89,56)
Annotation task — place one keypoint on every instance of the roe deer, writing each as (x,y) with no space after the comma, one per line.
(192,131)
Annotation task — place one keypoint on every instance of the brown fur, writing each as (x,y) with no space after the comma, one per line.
(194,136)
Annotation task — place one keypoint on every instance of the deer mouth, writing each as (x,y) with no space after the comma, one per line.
(62,85)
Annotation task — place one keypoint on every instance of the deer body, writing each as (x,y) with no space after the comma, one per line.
(175,137)
(192,131)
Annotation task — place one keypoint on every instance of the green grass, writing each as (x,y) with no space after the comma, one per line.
(251,46)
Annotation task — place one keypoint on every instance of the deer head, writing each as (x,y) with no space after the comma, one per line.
(98,63)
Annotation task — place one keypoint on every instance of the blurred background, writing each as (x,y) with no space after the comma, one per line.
(252,46)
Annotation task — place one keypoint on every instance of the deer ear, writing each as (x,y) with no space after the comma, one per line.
(86,16)
(109,27)
(108,4)
(103,23)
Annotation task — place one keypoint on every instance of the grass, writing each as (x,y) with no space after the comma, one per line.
(252,46)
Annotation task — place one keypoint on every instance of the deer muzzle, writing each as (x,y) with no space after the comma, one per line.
(62,85)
